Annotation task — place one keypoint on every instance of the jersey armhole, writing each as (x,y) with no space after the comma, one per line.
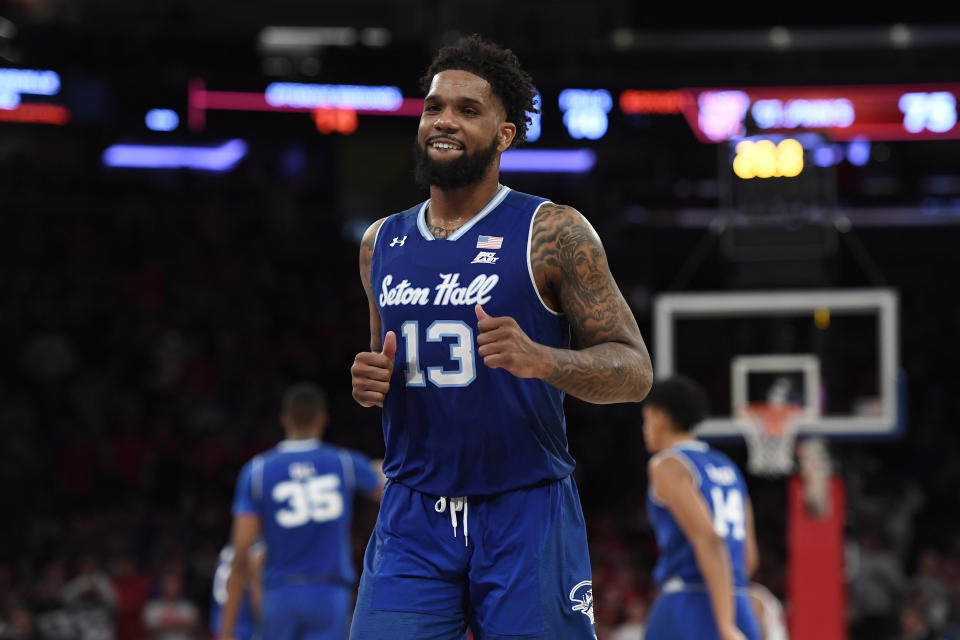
(684,460)
(533,280)
(349,475)
(256,479)
(374,258)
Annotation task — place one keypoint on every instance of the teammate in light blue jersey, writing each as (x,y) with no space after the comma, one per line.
(698,506)
(246,625)
(475,297)
(299,496)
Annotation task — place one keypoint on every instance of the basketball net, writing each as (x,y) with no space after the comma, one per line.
(770,430)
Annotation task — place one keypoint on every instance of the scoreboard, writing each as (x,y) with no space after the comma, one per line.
(842,113)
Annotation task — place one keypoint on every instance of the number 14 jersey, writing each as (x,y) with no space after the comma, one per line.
(453,426)
(722,486)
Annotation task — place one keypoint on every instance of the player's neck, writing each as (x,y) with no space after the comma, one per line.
(673,439)
(452,208)
(302,435)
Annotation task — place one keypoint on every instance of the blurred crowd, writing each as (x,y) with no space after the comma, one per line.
(149,326)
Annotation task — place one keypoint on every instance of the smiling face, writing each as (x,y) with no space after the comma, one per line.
(462,130)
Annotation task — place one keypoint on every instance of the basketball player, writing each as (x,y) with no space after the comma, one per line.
(698,506)
(299,497)
(473,297)
(246,624)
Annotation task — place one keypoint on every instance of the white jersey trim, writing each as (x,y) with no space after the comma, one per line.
(676,584)
(678,453)
(256,478)
(304,444)
(422,222)
(349,475)
(459,233)
(533,281)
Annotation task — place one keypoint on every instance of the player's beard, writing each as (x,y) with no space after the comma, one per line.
(459,172)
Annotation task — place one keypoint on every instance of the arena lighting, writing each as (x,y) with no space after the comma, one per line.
(766,159)
(636,101)
(375,37)
(276,39)
(7,28)
(827,155)
(333,96)
(15,82)
(800,112)
(858,152)
(36,113)
(843,113)
(303,98)
(335,120)
(162,120)
(764,39)
(142,156)
(533,128)
(585,112)
(287,38)
(934,110)
(548,161)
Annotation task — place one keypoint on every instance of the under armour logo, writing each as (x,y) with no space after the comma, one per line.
(485,257)
(582,597)
(398,241)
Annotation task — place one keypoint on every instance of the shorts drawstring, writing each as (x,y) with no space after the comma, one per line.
(456,504)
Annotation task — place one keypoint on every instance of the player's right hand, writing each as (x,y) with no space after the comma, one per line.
(371,373)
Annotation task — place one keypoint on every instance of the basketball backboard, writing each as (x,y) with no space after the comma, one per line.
(830,355)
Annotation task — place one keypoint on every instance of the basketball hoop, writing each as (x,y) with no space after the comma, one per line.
(770,430)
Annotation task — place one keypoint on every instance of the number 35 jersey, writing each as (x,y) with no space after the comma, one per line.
(722,486)
(303,491)
(453,426)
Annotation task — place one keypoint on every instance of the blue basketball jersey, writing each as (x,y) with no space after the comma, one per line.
(452,426)
(303,492)
(725,492)
(245,625)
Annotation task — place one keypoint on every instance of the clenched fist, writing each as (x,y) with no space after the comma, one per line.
(371,373)
(503,345)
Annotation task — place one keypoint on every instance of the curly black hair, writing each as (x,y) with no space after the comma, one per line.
(684,400)
(500,67)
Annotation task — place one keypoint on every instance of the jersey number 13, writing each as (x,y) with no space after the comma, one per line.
(461,353)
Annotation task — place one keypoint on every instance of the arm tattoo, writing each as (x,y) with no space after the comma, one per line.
(366,258)
(612,364)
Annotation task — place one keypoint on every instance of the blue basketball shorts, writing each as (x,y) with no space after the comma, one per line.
(512,565)
(687,615)
(306,612)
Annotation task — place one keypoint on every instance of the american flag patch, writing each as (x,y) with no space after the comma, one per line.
(489,242)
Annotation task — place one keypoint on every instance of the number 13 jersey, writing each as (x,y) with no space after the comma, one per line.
(453,426)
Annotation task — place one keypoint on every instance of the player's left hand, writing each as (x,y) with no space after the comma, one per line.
(503,345)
